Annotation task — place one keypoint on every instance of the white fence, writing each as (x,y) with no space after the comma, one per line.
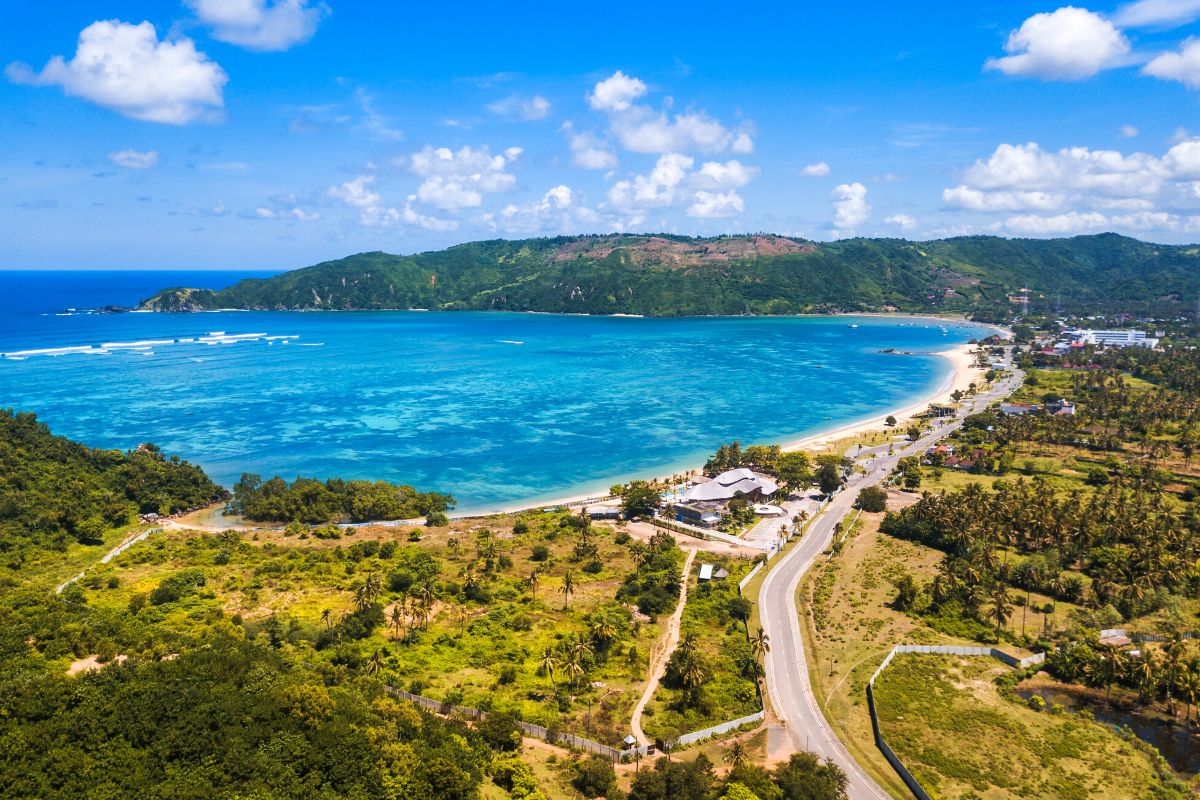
(717,730)
(536,731)
(750,575)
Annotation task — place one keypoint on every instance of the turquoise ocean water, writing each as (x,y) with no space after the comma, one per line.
(499,409)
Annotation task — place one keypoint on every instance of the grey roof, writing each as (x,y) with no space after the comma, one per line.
(726,486)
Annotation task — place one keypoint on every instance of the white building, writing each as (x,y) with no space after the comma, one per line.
(1128,338)
(727,485)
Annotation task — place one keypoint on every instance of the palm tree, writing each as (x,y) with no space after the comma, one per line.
(375,663)
(735,756)
(1189,689)
(567,589)
(327,618)
(693,674)
(372,587)
(532,581)
(549,661)
(573,668)
(397,618)
(580,647)
(603,630)
(1001,607)
(760,643)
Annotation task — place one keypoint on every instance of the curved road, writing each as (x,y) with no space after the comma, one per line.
(788,681)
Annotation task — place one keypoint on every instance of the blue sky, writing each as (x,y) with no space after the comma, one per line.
(278,133)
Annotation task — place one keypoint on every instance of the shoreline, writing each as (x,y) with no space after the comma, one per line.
(962,374)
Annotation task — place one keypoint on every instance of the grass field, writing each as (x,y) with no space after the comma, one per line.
(946,720)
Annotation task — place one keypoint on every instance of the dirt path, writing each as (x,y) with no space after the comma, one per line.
(658,664)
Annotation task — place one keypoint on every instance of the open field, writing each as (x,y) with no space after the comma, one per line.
(947,721)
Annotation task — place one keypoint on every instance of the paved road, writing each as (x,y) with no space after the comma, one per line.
(788,681)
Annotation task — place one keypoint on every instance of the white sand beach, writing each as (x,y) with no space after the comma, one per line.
(963,374)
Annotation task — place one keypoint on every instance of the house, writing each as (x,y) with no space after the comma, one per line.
(701,515)
(1017,409)
(1060,408)
(604,512)
(728,485)
(942,410)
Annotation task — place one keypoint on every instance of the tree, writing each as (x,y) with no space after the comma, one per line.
(760,643)
(890,421)
(735,756)
(595,777)
(375,663)
(567,589)
(794,471)
(640,499)
(548,662)
(805,777)
(1001,606)
(872,499)
(829,478)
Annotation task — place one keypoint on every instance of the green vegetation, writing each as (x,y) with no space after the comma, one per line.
(667,275)
(232,719)
(54,491)
(713,673)
(936,711)
(311,501)
(801,777)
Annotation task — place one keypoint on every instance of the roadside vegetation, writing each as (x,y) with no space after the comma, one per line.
(712,675)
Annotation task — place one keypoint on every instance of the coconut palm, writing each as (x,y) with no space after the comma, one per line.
(1001,607)
(760,643)
(397,618)
(375,663)
(549,662)
(735,756)
(567,589)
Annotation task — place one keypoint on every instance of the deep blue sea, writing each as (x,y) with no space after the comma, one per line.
(497,408)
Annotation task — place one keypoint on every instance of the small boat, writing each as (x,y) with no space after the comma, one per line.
(855,325)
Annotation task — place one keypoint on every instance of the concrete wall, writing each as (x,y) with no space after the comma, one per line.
(952,650)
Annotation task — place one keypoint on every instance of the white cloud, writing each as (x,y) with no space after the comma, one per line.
(972,199)
(1157,13)
(1129,131)
(268,25)
(430,223)
(356,193)
(1067,44)
(1076,189)
(533,108)
(729,175)
(707,192)
(716,205)
(590,152)
(655,189)
(817,170)
(642,129)
(850,209)
(558,211)
(459,179)
(1182,65)
(616,93)
(902,221)
(264,212)
(134,159)
(126,68)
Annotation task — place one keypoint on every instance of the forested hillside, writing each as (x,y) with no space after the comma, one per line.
(666,275)
(53,490)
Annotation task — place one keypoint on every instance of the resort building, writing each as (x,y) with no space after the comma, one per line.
(729,485)
(1127,338)
(707,515)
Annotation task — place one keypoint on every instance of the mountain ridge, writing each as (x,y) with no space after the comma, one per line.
(671,275)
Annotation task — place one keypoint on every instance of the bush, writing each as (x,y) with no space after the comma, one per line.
(595,777)
(540,552)
(500,731)
(437,519)
(872,499)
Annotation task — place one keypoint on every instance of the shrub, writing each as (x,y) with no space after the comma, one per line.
(437,519)
(595,777)
(540,552)
(500,731)
(872,499)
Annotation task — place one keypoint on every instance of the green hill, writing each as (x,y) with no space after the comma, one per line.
(53,490)
(665,275)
